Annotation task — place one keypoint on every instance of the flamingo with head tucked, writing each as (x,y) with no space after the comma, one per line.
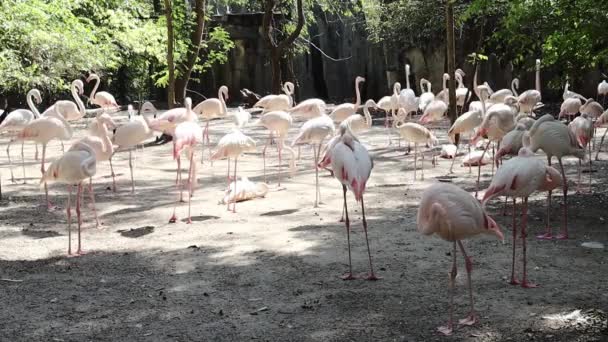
(453,214)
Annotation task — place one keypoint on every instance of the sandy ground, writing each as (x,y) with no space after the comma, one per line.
(271,271)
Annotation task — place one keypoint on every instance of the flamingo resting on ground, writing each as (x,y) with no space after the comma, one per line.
(453,214)
(520,177)
(187,135)
(352,166)
(73,167)
(232,145)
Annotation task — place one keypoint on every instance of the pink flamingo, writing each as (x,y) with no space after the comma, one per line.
(69,110)
(232,145)
(187,135)
(102,99)
(16,120)
(571,106)
(465,124)
(520,177)
(352,166)
(131,134)
(73,167)
(314,132)
(43,130)
(601,121)
(282,102)
(529,99)
(277,122)
(210,109)
(310,108)
(554,139)
(418,134)
(453,214)
(345,110)
(582,129)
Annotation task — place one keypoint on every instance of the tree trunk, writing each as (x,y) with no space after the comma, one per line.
(451,57)
(196,38)
(277,49)
(170,64)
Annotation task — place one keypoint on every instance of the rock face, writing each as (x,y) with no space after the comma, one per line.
(340,51)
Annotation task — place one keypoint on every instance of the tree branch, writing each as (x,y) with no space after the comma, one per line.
(296,33)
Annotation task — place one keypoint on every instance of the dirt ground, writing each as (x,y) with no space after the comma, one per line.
(271,271)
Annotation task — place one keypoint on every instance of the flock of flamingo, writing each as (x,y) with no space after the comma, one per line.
(501,117)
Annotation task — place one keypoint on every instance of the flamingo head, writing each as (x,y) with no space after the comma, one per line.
(493,227)
(481,132)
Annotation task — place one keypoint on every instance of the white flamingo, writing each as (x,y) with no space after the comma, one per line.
(529,99)
(210,109)
(277,102)
(102,99)
(277,122)
(341,112)
(417,134)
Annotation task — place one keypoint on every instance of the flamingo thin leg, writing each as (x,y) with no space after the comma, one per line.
(479,167)
(371,275)
(524,224)
(92,195)
(69,214)
(472,317)
(79,251)
(235,183)
(131,169)
(23,161)
(10,163)
(190,181)
(447,329)
(564,234)
(349,275)
(514,280)
(113,175)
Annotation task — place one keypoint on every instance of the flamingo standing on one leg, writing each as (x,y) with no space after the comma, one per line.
(520,177)
(210,109)
(352,166)
(555,140)
(277,122)
(453,214)
(314,132)
(232,145)
(187,135)
(16,120)
(130,135)
(73,167)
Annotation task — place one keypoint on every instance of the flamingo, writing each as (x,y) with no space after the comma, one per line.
(310,108)
(232,145)
(73,167)
(511,143)
(500,95)
(602,89)
(434,111)
(571,106)
(67,109)
(453,214)
(102,99)
(390,104)
(530,98)
(186,136)
(525,120)
(130,135)
(582,129)
(244,190)
(520,177)
(497,121)
(592,108)
(461,91)
(241,117)
(407,97)
(443,94)
(314,132)
(554,139)
(465,124)
(352,167)
(16,120)
(417,134)
(43,130)
(209,109)
(568,94)
(601,120)
(345,110)
(357,122)
(277,122)
(427,95)
(282,102)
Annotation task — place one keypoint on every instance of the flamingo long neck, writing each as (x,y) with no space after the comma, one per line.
(68,131)
(30,103)
(538,79)
(459,80)
(94,91)
(368,117)
(475,83)
(396,88)
(103,134)
(79,102)
(513,86)
(358,101)
(429,86)
(446,77)
(407,76)
(220,96)
(422,85)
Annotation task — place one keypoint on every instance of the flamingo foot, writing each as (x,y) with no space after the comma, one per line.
(514,281)
(189,220)
(348,276)
(545,236)
(173,219)
(471,319)
(562,237)
(371,277)
(527,285)
(181,200)
(446,330)
(80,252)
